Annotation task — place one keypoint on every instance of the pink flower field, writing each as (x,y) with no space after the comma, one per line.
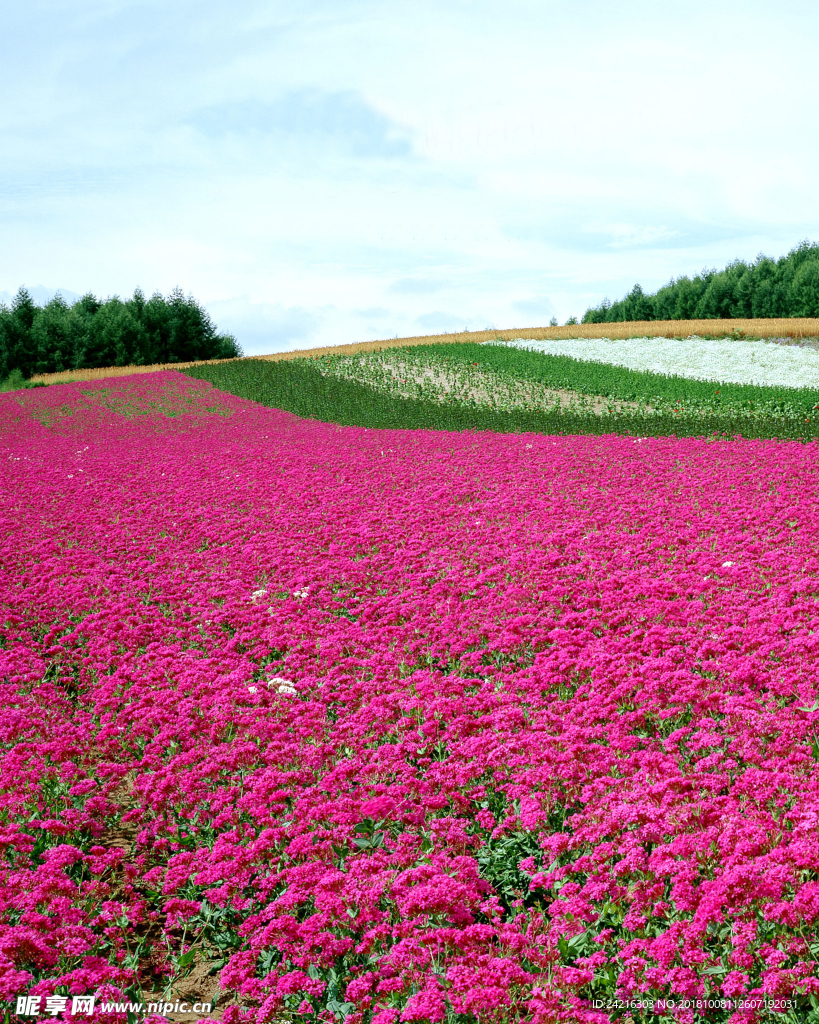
(383,726)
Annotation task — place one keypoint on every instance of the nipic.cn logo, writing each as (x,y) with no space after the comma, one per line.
(33,1006)
(29,1006)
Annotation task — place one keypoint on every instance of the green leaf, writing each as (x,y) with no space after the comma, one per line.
(334,1006)
(186,959)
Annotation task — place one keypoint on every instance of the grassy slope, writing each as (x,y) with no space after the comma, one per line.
(305,388)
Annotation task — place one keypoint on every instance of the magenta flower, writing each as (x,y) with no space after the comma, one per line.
(485,728)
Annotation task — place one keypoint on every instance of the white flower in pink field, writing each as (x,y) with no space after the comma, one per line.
(282,685)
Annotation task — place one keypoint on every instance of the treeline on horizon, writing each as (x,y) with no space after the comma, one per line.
(787,287)
(91,333)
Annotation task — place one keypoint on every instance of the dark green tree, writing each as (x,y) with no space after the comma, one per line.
(4,343)
(51,337)
(637,305)
(21,355)
(803,297)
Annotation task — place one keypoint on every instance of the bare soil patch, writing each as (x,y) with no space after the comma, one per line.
(442,383)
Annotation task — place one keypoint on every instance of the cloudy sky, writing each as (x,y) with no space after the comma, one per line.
(326,171)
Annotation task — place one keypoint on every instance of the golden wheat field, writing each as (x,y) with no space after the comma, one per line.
(795,327)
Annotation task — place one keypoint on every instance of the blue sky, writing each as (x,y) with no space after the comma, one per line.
(331,171)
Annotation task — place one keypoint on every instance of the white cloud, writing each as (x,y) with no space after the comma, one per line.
(539,308)
(263,327)
(416,286)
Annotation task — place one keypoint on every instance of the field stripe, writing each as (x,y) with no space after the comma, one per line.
(719,361)
(761,328)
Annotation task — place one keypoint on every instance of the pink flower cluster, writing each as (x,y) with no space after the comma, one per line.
(428,724)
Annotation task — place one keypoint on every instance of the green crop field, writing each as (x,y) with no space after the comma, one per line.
(495,387)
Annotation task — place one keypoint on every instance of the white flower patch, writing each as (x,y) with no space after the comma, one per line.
(722,361)
(301,594)
(257,594)
(282,685)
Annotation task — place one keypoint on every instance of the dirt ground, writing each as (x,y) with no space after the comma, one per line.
(486,389)
(200,986)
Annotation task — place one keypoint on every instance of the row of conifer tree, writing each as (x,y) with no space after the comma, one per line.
(787,287)
(92,333)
